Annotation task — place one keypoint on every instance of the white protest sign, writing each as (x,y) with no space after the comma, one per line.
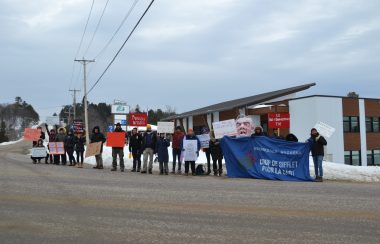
(324,129)
(191,148)
(205,140)
(224,128)
(165,127)
(52,120)
(39,152)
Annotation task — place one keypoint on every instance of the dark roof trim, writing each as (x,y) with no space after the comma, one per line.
(331,96)
(242,102)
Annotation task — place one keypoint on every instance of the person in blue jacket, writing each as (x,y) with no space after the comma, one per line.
(162,145)
(190,136)
(317,143)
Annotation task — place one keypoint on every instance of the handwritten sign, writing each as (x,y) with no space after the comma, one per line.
(39,152)
(52,120)
(93,149)
(324,129)
(224,128)
(32,134)
(115,139)
(205,140)
(56,148)
(191,148)
(165,127)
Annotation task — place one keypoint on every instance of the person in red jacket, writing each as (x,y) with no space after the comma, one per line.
(176,145)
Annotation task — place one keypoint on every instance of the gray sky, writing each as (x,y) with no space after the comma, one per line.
(188,54)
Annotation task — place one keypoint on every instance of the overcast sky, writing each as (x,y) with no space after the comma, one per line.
(188,54)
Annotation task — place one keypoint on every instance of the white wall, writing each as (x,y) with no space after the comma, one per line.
(216,116)
(209,120)
(306,112)
(191,122)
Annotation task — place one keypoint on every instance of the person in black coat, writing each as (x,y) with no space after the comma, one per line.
(163,153)
(317,151)
(291,137)
(135,148)
(97,136)
(69,146)
(148,148)
(80,141)
(216,155)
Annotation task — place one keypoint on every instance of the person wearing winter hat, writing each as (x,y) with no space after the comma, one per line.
(61,137)
(97,136)
(118,151)
(190,136)
(176,145)
(69,147)
(317,152)
(258,131)
(149,141)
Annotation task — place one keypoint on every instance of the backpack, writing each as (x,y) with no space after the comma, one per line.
(199,170)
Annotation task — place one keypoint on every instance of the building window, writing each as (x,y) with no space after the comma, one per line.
(351,124)
(352,158)
(373,157)
(372,124)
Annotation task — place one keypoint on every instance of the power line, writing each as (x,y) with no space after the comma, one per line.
(96,28)
(122,46)
(85,28)
(118,28)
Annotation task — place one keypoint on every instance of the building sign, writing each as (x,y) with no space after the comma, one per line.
(278,120)
(138,119)
(119,109)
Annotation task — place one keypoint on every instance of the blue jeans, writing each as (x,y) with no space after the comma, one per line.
(318,169)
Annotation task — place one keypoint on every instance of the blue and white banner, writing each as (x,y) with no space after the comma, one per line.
(266,158)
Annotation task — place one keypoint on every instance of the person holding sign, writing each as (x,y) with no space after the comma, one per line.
(317,151)
(148,146)
(40,143)
(163,154)
(118,151)
(52,135)
(61,137)
(97,136)
(216,154)
(190,147)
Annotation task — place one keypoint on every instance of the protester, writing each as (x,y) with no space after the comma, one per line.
(69,147)
(258,131)
(244,126)
(61,137)
(216,154)
(276,134)
(97,136)
(52,135)
(42,136)
(162,152)
(148,146)
(190,136)
(207,152)
(317,151)
(118,151)
(291,137)
(176,145)
(135,148)
(80,141)
(40,143)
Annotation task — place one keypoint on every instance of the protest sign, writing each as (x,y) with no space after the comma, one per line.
(52,120)
(39,152)
(266,158)
(205,140)
(165,127)
(138,119)
(56,148)
(32,134)
(115,139)
(191,149)
(278,120)
(93,149)
(224,128)
(324,129)
(78,126)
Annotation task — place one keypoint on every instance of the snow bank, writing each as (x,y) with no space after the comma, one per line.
(10,142)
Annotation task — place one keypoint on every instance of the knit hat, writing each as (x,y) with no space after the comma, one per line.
(148,126)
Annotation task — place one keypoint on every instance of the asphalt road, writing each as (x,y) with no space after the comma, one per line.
(56,204)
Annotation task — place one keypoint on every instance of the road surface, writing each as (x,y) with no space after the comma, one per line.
(56,204)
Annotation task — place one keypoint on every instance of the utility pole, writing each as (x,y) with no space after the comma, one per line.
(84,62)
(74,101)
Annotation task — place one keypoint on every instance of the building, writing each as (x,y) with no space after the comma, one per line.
(356,140)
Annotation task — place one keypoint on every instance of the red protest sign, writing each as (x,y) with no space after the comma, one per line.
(32,134)
(115,139)
(56,148)
(278,120)
(138,119)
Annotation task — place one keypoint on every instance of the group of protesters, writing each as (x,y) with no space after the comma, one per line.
(149,143)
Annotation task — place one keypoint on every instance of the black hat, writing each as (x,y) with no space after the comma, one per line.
(118,124)
(178,128)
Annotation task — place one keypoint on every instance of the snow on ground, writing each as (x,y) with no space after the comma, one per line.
(332,171)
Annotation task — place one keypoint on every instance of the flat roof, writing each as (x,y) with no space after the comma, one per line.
(242,102)
(332,96)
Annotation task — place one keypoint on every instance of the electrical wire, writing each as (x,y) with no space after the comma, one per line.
(85,29)
(122,46)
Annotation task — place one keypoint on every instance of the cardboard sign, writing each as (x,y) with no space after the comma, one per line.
(115,139)
(93,149)
(138,119)
(165,127)
(39,152)
(52,120)
(205,140)
(224,128)
(32,134)
(278,120)
(56,148)
(324,129)
(191,148)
